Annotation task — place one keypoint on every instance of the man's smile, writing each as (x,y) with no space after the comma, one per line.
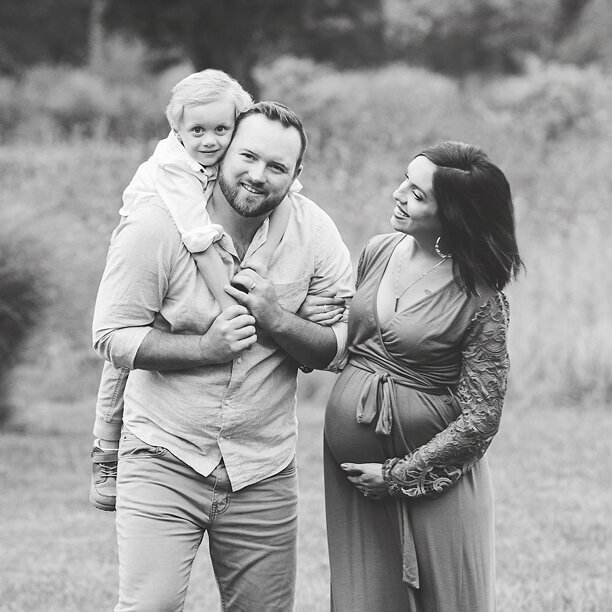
(252,189)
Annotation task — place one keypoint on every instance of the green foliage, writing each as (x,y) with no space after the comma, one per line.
(21,302)
(549,130)
(462,36)
(120,101)
(35,31)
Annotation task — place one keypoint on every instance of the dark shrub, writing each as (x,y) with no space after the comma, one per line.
(21,301)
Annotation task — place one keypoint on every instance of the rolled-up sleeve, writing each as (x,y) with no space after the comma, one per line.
(134,283)
(333,272)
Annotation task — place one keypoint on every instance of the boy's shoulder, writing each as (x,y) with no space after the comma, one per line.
(170,152)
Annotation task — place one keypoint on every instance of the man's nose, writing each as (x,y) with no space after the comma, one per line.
(257,173)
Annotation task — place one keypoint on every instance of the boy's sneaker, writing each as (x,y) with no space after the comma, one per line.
(103,490)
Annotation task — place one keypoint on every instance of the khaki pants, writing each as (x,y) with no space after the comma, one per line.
(163,510)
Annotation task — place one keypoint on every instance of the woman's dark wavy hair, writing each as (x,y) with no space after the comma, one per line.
(477,216)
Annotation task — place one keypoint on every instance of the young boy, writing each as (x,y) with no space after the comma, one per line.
(181,171)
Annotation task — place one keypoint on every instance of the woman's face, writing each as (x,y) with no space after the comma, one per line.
(416,209)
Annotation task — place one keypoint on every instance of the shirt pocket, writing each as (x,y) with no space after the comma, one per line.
(291,295)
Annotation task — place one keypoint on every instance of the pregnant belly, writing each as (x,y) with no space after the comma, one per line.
(418,417)
(347,439)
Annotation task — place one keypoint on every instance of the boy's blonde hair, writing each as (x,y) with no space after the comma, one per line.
(202,88)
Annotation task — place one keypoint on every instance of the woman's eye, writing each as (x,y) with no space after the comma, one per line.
(417,196)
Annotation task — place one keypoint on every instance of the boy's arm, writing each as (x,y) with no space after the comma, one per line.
(184,195)
(133,288)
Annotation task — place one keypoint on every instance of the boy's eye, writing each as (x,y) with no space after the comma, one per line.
(222,129)
(198,130)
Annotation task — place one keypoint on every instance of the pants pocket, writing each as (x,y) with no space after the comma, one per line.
(132,447)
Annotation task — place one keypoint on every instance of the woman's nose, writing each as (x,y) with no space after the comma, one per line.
(400,193)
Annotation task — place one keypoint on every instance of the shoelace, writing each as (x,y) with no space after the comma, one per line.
(108,469)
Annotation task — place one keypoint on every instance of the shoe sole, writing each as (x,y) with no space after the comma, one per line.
(99,505)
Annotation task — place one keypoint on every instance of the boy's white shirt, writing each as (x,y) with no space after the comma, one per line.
(184,185)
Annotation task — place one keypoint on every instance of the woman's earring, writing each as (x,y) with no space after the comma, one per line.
(439,253)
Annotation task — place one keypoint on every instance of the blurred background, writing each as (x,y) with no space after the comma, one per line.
(83,87)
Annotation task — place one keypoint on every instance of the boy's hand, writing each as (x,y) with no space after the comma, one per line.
(324,308)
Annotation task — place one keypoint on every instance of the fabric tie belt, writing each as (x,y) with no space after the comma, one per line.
(378,400)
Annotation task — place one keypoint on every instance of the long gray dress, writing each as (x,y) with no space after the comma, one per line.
(423,395)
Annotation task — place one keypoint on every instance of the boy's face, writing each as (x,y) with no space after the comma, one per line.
(206,130)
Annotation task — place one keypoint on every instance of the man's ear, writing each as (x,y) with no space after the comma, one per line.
(297,173)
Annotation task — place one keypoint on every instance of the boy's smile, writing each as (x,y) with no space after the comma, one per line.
(206,130)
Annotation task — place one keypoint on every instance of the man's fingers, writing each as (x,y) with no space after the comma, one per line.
(245,332)
(247,278)
(257,267)
(239,296)
(231,312)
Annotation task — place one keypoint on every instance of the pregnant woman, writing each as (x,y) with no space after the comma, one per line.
(408,493)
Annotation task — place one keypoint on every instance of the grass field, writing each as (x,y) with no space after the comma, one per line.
(552,502)
(551,461)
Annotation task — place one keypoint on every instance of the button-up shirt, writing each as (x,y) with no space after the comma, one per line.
(244,411)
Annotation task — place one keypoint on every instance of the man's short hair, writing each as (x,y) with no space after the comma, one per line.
(203,88)
(275,111)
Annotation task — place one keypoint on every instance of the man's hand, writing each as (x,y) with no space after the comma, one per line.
(231,333)
(260,298)
(367,478)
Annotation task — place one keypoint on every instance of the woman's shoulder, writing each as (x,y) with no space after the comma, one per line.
(381,242)
(490,310)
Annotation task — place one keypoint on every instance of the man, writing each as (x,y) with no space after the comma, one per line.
(209,423)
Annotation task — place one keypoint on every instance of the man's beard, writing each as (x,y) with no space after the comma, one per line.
(242,205)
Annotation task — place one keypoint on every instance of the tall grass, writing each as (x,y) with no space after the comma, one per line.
(364,127)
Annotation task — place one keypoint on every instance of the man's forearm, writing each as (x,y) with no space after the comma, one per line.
(166,351)
(309,344)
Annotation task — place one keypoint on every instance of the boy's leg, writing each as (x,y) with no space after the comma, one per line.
(107,430)
(253,536)
(163,509)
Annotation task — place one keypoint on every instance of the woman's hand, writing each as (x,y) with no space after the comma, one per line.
(324,309)
(367,478)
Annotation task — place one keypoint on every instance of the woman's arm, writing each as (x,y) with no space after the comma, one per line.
(439,464)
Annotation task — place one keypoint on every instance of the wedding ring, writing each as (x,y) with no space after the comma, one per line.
(365,494)
(253,286)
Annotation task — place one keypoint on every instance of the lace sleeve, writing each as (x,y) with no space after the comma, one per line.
(440,463)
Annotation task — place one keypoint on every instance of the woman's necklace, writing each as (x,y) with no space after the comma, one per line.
(413,283)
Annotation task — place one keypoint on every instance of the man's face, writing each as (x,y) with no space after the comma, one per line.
(259,166)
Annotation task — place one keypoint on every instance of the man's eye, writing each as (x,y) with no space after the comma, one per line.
(248,156)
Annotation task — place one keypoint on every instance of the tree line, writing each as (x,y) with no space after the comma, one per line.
(451,36)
